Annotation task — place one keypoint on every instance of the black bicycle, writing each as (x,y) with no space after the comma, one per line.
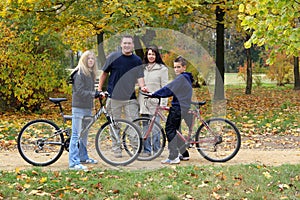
(41,142)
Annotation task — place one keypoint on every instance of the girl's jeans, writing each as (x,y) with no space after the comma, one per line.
(78,154)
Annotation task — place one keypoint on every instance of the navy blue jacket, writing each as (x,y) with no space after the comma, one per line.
(180,89)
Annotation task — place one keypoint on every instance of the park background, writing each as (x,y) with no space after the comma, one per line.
(253,41)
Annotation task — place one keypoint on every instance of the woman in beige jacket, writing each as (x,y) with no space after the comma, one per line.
(155,76)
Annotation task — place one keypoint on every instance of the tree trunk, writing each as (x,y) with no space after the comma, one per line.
(148,37)
(296,74)
(249,70)
(219,82)
(138,47)
(101,53)
(101,58)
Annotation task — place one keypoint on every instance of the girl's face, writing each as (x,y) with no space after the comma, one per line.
(179,68)
(151,56)
(90,61)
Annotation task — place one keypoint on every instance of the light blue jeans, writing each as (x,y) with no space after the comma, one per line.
(78,154)
(155,137)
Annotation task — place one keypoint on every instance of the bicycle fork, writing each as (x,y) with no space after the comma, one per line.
(217,139)
(115,130)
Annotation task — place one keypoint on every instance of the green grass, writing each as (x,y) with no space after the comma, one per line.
(192,182)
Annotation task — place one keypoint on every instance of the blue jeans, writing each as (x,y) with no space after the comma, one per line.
(155,137)
(78,154)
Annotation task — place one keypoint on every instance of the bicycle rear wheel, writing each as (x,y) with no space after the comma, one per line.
(40,143)
(119,142)
(219,142)
(156,141)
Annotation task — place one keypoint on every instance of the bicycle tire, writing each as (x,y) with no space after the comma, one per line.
(128,148)
(218,151)
(39,142)
(157,138)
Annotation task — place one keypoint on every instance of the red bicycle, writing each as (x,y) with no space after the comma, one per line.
(216,139)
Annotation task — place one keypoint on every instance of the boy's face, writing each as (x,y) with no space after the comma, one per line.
(179,68)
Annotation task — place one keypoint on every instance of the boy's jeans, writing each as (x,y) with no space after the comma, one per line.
(78,154)
(173,123)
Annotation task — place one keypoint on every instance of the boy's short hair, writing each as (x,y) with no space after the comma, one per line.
(181,60)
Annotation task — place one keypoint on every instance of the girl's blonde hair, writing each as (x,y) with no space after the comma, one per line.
(82,66)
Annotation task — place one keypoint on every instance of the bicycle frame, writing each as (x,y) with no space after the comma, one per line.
(91,119)
(196,115)
(216,139)
(99,112)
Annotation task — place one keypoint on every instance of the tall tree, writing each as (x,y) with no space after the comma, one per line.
(296,73)
(249,70)
(275,24)
(219,82)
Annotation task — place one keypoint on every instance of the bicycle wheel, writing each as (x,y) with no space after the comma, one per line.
(119,142)
(155,143)
(219,142)
(40,143)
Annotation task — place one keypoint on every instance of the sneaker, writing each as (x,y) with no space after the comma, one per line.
(89,161)
(79,167)
(184,158)
(118,155)
(170,162)
(145,154)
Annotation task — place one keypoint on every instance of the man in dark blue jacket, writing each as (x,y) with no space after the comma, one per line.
(181,91)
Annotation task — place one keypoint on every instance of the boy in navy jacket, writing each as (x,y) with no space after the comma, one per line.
(181,91)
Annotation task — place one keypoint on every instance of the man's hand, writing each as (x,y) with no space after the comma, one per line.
(144,89)
(99,94)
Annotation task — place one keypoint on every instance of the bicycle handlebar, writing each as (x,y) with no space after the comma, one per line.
(103,95)
(147,94)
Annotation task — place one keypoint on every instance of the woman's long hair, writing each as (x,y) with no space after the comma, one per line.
(158,58)
(82,66)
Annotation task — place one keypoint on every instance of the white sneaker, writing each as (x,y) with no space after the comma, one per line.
(170,162)
(89,161)
(79,167)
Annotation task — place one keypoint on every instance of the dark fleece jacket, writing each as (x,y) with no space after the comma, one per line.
(180,89)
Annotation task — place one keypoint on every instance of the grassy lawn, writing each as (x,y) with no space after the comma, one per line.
(192,182)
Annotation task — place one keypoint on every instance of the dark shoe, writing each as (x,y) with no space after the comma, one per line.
(185,156)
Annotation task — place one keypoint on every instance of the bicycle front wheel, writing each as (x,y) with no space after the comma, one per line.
(155,141)
(118,142)
(219,140)
(40,143)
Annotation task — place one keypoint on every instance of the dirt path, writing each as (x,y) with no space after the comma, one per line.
(12,160)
